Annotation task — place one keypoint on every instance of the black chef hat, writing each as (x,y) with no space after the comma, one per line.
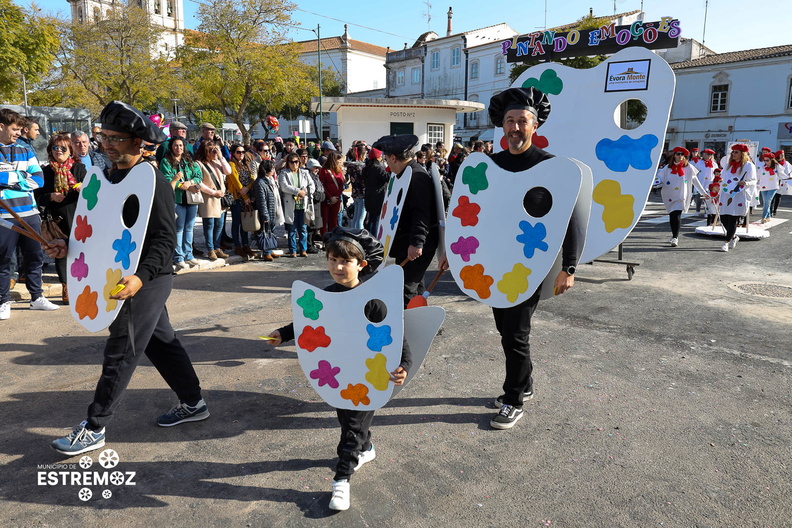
(396,144)
(121,117)
(362,239)
(529,99)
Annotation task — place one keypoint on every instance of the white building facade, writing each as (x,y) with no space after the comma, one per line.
(733,96)
(166,13)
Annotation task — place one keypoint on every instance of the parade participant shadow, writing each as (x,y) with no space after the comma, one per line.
(225,350)
(251,281)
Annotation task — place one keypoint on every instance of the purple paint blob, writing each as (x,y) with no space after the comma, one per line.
(79,269)
(464,247)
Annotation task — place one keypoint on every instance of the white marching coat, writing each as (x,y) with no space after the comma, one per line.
(677,190)
(734,201)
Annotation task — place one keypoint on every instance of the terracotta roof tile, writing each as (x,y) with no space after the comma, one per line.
(736,56)
(333,43)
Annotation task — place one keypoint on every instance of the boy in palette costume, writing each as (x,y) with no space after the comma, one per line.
(351,254)
(520,111)
(142,325)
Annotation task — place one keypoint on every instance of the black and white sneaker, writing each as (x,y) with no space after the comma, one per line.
(527,395)
(184,413)
(507,417)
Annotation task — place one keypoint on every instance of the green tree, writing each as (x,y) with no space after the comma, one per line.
(210,116)
(239,63)
(332,86)
(26,44)
(117,57)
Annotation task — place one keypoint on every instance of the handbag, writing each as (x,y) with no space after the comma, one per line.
(50,229)
(194,198)
(267,241)
(227,200)
(250,221)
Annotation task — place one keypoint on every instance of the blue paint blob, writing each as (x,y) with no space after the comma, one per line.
(619,155)
(532,238)
(379,337)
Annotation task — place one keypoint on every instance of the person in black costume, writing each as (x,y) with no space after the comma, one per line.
(142,324)
(418,233)
(520,111)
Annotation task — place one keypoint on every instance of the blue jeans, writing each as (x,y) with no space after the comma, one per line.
(238,235)
(373,223)
(32,258)
(185,222)
(360,213)
(292,230)
(767,199)
(213,230)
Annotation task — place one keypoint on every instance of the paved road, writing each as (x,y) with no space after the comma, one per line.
(660,401)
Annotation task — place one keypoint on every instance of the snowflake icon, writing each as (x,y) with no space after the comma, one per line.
(86,462)
(85,494)
(117,478)
(107,494)
(109,459)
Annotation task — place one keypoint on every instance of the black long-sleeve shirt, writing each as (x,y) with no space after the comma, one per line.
(418,220)
(375,311)
(160,241)
(520,162)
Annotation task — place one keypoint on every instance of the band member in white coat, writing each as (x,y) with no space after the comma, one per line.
(706,164)
(739,180)
(784,181)
(678,179)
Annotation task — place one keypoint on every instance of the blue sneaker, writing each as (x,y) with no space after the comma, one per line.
(184,413)
(81,440)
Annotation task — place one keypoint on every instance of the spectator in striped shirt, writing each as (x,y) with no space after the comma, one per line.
(20,174)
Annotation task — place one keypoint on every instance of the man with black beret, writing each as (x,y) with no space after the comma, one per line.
(142,324)
(520,111)
(418,233)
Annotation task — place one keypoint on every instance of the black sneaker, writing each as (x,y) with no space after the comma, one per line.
(507,417)
(527,395)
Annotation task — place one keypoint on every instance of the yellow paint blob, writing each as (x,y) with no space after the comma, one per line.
(617,207)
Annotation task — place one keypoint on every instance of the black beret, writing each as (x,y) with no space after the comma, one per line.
(367,244)
(120,117)
(529,99)
(396,144)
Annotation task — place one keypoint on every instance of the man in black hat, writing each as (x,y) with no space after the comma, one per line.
(520,111)
(418,233)
(142,324)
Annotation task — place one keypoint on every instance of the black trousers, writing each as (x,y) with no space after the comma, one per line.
(154,336)
(675,219)
(415,270)
(514,326)
(355,437)
(774,204)
(729,225)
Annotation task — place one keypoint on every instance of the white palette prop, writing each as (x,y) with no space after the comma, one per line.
(392,209)
(498,252)
(347,358)
(420,328)
(102,249)
(582,125)
(440,205)
(754,232)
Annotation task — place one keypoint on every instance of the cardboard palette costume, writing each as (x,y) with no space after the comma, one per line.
(349,340)
(588,124)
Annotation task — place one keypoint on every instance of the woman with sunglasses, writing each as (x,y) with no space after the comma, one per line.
(332,177)
(678,179)
(58,196)
(240,184)
(297,188)
(215,169)
(739,181)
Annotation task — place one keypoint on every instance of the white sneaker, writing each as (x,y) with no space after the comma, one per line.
(674,242)
(733,242)
(182,266)
(194,263)
(42,303)
(725,247)
(366,456)
(5,311)
(340,499)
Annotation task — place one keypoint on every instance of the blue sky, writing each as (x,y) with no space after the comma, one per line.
(730,26)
